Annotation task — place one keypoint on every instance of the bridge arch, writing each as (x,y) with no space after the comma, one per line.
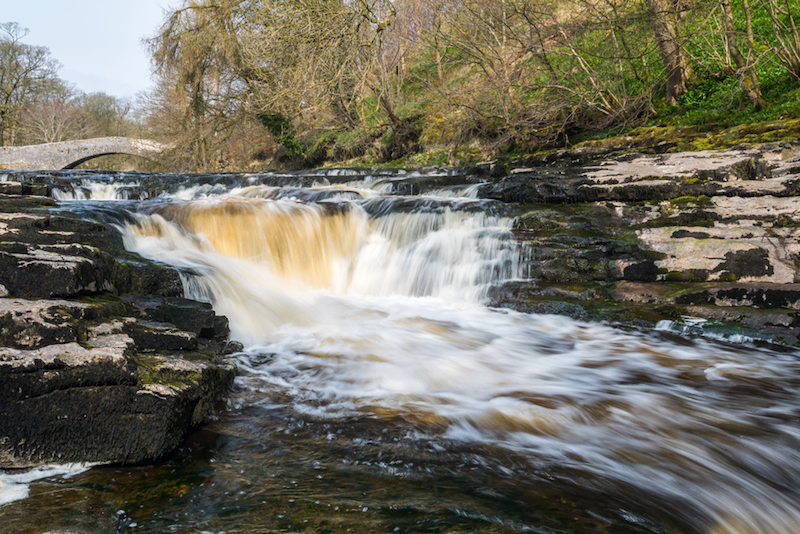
(70,154)
(77,162)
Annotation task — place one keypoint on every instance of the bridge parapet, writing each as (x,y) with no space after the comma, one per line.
(69,154)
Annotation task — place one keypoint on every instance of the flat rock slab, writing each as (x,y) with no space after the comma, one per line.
(150,335)
(721,166)
(46,271)
(26,324)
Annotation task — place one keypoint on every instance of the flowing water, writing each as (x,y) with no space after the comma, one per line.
(377,393)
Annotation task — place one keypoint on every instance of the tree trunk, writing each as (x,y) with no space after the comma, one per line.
(665,27)
(745,67)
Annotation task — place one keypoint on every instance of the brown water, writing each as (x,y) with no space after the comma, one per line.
(377,394)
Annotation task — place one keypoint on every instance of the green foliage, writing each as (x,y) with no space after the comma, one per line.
(283,131)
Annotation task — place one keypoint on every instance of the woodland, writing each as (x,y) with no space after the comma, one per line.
(260,85)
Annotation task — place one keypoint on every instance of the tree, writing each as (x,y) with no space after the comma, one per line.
(524,73)
(745,67)
(27,74)
(197,52)
(665,27)
(61,117)
(782,14)
(314,60)
(105,115)
(51,121)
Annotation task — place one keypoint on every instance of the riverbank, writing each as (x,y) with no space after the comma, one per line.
(371,149)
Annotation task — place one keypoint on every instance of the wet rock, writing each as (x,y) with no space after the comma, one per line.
(192,316)
(146,278)
(758,296)
(556,307)
(150,336)
(107,401)
(11,188)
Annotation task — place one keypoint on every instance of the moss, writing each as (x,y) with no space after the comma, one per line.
(702,200)
(627,238)
(696,137)
(784,221)
(653,255)
(100,298)
(540,220)
(691,275)
(702,219)
(150,369)
(728,277)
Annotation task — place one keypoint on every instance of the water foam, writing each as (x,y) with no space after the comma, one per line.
(92,190)
(15,486)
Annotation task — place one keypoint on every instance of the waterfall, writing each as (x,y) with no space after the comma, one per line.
(285,250)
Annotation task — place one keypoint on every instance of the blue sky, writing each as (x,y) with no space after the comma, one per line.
(98,42)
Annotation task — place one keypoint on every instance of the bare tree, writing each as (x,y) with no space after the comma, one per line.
(525,72)
(53,120)
(783,15)
(104,114)
(27,73)
(197,52)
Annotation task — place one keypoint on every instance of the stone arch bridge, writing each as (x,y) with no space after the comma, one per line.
(70,154)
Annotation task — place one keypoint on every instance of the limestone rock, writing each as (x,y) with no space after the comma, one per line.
(106,402)
(46,271)
(32,324)
(85,375)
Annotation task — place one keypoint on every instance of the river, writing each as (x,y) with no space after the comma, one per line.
(378,393)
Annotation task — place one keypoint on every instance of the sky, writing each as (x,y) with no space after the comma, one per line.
(98,42)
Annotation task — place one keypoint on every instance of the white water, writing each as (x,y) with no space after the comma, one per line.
(90,190)
(15,486)
(351,316)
